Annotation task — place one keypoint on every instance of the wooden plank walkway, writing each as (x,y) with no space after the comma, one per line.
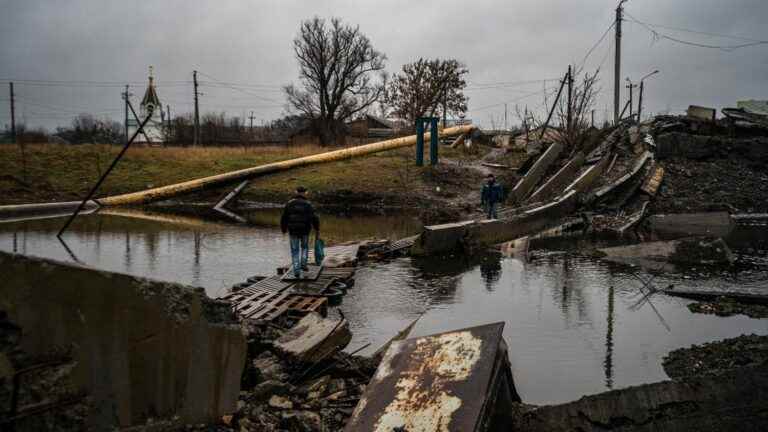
(394,247)
(270,298)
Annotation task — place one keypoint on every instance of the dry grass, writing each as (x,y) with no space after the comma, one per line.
(62,172)
(57,172)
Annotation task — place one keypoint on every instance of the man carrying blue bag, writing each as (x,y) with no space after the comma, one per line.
(297,220)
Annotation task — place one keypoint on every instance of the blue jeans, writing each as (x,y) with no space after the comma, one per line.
(299,252)
(490,210)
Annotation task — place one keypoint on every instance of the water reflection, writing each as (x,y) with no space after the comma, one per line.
(574,325)
(189,250)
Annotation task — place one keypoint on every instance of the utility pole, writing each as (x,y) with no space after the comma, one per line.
(640,103)
(168,116)
(505,116)
(125,99)
(251,118)
(197,112)
(617,69)
(593,118)
(631,87)
(569,119)
(445,106)
(13,114)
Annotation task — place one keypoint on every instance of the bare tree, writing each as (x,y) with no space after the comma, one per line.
(583,99)
(336,65)
(424,86)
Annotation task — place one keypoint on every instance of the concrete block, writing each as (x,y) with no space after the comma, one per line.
(142,347)
(437,239)
(525,186)
(557,183)
(714,224)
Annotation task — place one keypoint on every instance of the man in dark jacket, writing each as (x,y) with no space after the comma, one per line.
(491,196)
(298,220)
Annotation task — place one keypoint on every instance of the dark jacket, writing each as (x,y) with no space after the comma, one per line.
(492,193)
(299,217)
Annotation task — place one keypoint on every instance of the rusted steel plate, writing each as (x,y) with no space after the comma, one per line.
(451,381)
(652,183)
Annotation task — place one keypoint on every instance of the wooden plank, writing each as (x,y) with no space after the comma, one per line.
(312,273)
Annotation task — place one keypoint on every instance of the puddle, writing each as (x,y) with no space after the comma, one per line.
(574,325)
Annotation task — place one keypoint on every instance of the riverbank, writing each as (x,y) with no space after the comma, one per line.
(56,172)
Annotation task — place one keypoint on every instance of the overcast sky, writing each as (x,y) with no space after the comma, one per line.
(249,43)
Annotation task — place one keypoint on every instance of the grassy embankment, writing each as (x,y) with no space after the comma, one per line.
(56,172)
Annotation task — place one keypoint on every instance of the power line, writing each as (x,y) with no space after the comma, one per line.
(484,86)
(597,44)
(513,100)
(238,89)
(658,35)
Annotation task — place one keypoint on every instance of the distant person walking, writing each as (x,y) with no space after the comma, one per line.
(297,220)
(491,196)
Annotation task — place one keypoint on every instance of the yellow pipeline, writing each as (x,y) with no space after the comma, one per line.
(165,192)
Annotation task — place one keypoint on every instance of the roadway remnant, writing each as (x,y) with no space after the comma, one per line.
(454,381)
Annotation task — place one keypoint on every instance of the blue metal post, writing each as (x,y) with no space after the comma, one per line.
(433,137)
(419,142)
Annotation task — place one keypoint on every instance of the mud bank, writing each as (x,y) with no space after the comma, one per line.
(731,401)
(140,348)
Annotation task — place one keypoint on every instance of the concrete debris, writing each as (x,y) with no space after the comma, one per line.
(314,338)
(174,330)
(702,113)
(690,251)
(712,224)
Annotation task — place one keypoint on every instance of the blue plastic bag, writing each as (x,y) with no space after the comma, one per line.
(319,251)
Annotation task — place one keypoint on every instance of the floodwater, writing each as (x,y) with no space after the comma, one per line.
(574,325)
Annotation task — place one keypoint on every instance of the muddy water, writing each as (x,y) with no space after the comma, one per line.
(574,325)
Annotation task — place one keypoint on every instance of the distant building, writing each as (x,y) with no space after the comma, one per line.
(754,106)
(153,130)
(370,126)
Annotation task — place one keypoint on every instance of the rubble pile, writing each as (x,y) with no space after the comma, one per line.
(711,166)
(279,394)
(716,357)
(727,306)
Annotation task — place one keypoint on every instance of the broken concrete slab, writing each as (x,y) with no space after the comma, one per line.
(587,178)
(731,401)
(690,251)
(448,238)
(436,239)
(141,346)
(458,381)
(713,224)
(701,113)
(627,179)
(556,184)
(526,184)
(314,338)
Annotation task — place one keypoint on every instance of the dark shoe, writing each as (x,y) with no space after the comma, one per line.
(304,268)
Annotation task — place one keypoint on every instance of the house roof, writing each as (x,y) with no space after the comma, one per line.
(384,122)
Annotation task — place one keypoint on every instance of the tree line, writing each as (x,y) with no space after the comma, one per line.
(341,76)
